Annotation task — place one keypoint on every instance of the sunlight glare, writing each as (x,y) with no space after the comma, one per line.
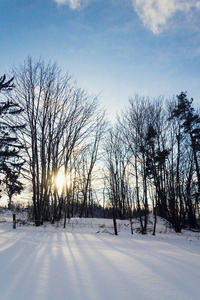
(61,180)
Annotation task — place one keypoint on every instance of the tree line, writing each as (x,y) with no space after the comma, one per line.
(147,162)
(153,161)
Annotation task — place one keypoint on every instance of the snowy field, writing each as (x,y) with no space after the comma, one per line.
(85,261)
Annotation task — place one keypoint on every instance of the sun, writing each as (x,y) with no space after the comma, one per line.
(61,180)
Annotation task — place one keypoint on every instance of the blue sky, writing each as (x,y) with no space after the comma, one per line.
(114,48)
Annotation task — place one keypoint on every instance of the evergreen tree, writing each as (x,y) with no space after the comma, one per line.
(190,123)
(12,184)
(11,161)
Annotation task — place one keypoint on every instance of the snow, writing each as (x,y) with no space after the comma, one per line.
(84,261)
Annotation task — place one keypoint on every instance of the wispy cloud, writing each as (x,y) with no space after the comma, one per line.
(73,4)
(155,13)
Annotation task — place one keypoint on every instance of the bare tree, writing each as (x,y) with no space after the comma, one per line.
(59,116)
(89,157)
(116,180)
(135,123)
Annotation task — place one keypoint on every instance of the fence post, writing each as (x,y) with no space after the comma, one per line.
(14,221)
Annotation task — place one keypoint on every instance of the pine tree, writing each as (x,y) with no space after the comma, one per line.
(11,161)
(12,184)
(190,123)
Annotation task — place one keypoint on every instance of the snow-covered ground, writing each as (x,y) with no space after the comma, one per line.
(85,261)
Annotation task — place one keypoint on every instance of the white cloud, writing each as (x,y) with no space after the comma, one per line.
(73,4)
(155,13)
